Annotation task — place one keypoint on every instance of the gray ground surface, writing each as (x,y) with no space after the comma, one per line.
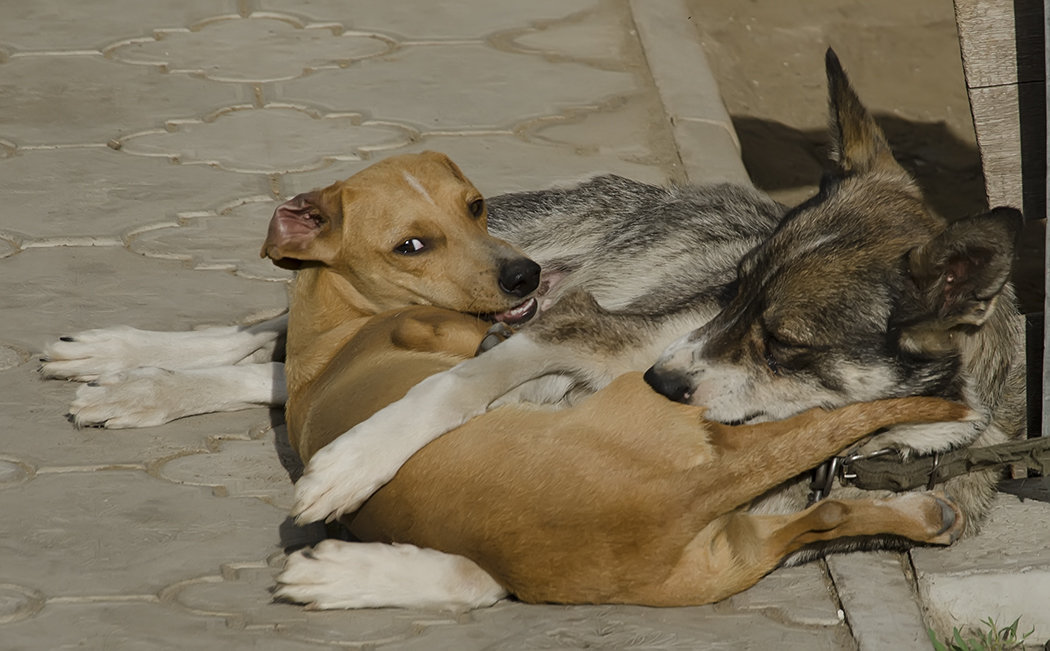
(142,146)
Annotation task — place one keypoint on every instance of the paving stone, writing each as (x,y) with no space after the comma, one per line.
(1003,573)
(50,292)
(121,532)
(87,99)
(243,597)
(251,50)
(460,19)
(632,129)
(518,626)
(34,429)
(603,34)
(464,86)
(799,595)
(237,469)
(879,601)
(270,140)
(76,25)
(501,163)
(230,242)
(19,602)
(56,196)
(11,357)
(127,626)
(7,247)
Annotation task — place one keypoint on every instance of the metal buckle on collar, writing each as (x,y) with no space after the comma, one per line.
(824,474)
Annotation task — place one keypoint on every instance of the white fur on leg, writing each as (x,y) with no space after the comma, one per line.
(91,354)
(347,471)
(145,397)
(337,574)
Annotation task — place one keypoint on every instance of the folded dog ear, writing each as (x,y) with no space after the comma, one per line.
(960,274)
(858,144)
(306,227)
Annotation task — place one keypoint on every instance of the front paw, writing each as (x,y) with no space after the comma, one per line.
(125,399)
(337,481)
(91,354)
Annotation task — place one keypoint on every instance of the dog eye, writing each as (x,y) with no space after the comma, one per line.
(477,207)
(410,246)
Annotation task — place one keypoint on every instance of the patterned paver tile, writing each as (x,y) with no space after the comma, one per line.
(466,19)
(43,25)
(243,596)
(602,35)
(458,87)
(229,241)
(7,247)
(251,50)
(235,469)
(517,626)
(120,532)
(50,292)
(115,625)
(68,100)
(502,163)
(270,140)
(99,193)
(34,430)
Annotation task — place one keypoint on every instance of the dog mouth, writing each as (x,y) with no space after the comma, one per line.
(517,314)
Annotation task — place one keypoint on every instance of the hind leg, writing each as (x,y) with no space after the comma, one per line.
(929,517)
(732,553)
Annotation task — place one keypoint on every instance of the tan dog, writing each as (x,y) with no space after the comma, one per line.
(626,497)
(409,230)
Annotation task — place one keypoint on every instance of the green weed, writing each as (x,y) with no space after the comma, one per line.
(991,638)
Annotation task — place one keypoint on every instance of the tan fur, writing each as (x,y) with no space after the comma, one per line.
(351,274)
(626,497)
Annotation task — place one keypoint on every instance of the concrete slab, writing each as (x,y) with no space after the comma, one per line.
(99,195)
(87,99)
(62,25)
(1004,573)
(260,49)
(423,87)
(458,20)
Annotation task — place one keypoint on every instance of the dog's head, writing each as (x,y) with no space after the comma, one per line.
(408,230)
(861,292)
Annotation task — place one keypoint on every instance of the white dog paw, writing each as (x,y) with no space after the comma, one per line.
(337,574)
(337,481)
(88,355)
(135,398)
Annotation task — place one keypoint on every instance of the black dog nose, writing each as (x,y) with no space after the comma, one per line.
(519,277)
(674,386)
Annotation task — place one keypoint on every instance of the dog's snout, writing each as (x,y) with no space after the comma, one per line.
(669,384)
(519,277)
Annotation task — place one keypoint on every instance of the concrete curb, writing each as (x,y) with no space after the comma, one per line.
(707,143)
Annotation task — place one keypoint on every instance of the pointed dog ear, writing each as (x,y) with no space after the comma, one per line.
(304,228)
(858,144)
(961,273)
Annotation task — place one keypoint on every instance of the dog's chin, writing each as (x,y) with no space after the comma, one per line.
(518,314)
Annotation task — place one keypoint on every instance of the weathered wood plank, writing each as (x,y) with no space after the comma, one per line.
(1001,41)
